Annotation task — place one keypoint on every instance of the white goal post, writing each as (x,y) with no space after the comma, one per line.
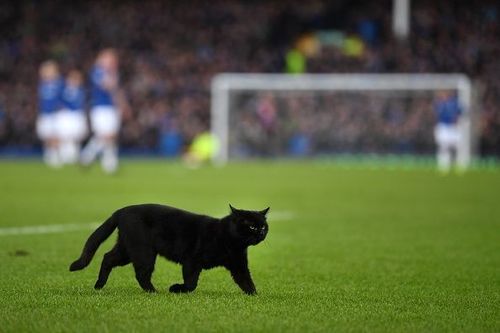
(225,83)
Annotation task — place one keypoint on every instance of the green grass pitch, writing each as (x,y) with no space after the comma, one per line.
(350,248)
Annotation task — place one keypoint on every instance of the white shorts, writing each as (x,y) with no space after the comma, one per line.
(71,125)
(447,135)
(105,120)
(46,126)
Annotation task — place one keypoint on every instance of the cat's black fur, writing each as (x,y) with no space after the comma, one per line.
(195,241)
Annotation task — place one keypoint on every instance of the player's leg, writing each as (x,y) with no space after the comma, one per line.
(116,257)
(109,159)
(47,132)
(53,157)
(80,132)
(91,150)
(67,130)
(444,157)
(41,131)
(458,146)
(70,151)
(50,152)
(110,126)
(443,153)
(95,144)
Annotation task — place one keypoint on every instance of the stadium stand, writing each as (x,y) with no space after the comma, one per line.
(170,50)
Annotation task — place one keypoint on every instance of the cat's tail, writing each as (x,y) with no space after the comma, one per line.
(96,239)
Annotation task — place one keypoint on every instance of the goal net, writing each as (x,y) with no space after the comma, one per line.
(279,115)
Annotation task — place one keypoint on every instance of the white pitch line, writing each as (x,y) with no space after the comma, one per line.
(61,228)
(47,229)
(281,216)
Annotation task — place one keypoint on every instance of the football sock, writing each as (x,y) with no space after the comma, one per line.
(109,161)
(51,157)
(91,150)
(69,152)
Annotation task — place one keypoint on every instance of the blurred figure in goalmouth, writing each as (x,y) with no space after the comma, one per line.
(71,122)
(105,116)
(201,150)
(49,98)
(447,132)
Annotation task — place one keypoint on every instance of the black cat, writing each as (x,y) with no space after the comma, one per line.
(195,241)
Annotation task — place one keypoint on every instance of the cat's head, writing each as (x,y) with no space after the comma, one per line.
(248,226)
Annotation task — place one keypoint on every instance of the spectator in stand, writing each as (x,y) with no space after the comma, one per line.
(171,49)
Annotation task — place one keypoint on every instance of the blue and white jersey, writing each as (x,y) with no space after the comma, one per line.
(448,110)
(49,95)
(100,96)
(73,98)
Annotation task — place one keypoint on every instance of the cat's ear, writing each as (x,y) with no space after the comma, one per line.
(233,210)
(264,212)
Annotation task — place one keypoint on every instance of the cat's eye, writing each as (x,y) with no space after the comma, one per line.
(255,228)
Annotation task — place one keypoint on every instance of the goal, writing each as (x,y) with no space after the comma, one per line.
(310,115)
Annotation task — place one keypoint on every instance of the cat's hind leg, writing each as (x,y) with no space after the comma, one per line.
(116,257)
(144,263)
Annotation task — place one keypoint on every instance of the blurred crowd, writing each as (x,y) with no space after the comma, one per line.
(170,50)
(270,124)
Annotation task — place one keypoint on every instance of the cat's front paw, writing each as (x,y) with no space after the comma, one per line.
(177,288)
(250,291)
